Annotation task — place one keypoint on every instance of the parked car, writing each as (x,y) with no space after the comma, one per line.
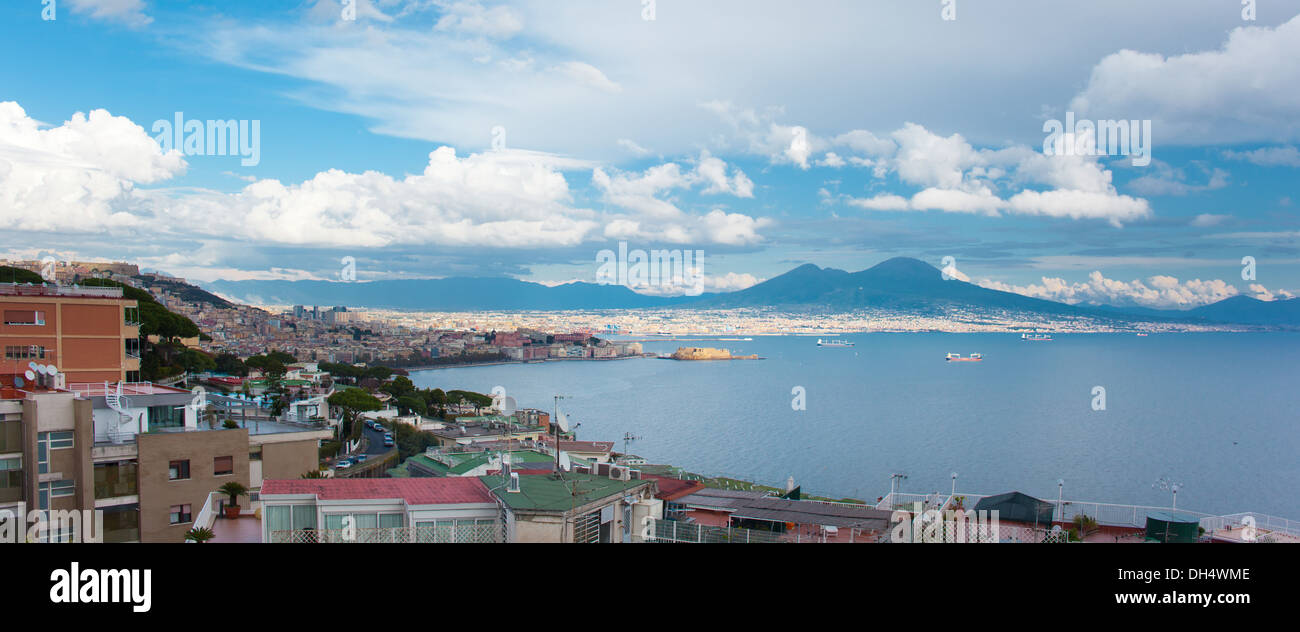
(343,465)
(360,457)
(388,442)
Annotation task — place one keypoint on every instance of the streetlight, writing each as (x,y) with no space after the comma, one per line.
(954,485)
(1060,496)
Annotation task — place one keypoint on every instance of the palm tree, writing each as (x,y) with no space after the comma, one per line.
(234,490)
(199,534)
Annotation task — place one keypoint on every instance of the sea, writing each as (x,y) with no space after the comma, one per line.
(1104,417)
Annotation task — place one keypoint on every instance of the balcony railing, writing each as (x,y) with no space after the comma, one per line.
(460,534)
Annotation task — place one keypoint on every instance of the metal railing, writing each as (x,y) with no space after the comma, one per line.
(674,531)
(459,534)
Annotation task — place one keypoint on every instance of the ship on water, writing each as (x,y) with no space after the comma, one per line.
(956,357)
(1035,336)
(833,343)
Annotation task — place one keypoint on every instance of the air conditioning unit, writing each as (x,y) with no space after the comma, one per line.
(620,473)
(513,488)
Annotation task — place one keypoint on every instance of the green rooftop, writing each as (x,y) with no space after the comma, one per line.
(546,492)
(460,463)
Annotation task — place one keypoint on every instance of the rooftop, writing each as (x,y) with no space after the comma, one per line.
(27,289)
(101,389)
(414,491)
(549,492)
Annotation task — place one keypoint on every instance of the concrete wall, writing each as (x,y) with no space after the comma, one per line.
(158,494)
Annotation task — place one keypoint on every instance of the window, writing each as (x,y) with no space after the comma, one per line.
(46,441)
(24,317)
(223,465)
(166,417)
(178,470)
(59,489)
(11,480)
(24,352)
(180,514)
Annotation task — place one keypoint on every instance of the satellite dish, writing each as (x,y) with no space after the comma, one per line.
(565,462)
(51,370)
(508,406)
(18,381)
(33,366)
(562,421)
(31,377)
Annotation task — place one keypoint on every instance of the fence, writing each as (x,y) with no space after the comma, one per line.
(674,531)
(467,533)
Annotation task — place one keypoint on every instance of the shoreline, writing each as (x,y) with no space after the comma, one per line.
(505,362)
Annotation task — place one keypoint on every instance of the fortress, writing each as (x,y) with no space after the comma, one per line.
(706,353)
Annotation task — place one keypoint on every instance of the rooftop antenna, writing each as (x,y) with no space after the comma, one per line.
(628,438)
(561,425)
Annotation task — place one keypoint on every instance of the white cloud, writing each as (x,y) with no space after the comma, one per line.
(1160,292)
(1205,220)
(1268,156)
(644,194)
(1262,293)
(82,176)
(588,75)
(1167,180)
(958,178)
(1245,91)
(472,18)
(128,12)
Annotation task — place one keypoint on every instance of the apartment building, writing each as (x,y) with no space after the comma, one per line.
(45,442)
(91,334)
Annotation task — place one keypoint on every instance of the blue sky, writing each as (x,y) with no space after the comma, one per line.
(462,137)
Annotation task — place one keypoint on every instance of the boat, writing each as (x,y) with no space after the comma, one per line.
(956,357)
(1142,335)
(833,343)
(1035,336)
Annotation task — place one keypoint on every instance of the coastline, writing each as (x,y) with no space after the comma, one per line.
(504,362)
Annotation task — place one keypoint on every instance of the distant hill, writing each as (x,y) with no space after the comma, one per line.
(452,294)
(186,292)
(10,274)
(1244,310)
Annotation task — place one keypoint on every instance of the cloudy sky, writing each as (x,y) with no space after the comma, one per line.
(430,138)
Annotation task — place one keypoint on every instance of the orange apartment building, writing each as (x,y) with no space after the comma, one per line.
(91,334)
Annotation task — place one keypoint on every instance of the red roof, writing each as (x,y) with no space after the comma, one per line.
(415,491)
(672,488)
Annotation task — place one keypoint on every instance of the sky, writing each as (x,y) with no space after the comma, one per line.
(435,138)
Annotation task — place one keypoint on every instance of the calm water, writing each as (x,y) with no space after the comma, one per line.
(1216,412)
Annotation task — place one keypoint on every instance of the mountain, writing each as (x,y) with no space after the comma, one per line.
(451,294)
(1245,309)
(900,283)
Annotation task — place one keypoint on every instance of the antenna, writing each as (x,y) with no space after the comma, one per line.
(628,438)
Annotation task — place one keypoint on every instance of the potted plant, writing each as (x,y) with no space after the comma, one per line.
(199,535)
(234,490)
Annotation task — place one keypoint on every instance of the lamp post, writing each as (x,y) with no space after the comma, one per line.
(954,486)
(1060,496)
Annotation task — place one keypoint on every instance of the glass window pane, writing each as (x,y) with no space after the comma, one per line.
(304,517)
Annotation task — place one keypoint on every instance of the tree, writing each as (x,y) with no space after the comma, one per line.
(234,490)
(199,534)
(230,364)
(408,404)
(400,386)
(353,402)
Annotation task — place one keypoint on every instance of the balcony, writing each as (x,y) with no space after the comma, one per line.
(113,480)
(11,436)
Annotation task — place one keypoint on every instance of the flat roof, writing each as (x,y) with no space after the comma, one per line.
(101,389)
(551,492)
(414,491)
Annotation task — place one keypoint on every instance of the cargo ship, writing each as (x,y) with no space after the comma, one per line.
(956,357)
(1035,336)
(833,343)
